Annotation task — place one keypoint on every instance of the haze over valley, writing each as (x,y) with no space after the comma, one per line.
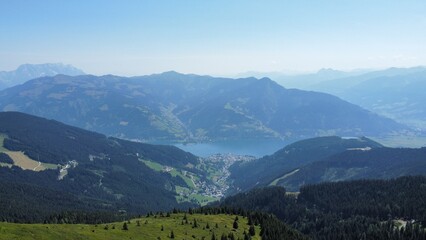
(228,120)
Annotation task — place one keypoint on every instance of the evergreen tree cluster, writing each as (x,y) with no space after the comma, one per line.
(400,198)
(4,158)
(23,203)
(271,227)
(363,209)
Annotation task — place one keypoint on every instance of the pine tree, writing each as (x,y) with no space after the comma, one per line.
(252,231)
(235,224)
(125,226)
(247,237)
(250,221)
(223,237)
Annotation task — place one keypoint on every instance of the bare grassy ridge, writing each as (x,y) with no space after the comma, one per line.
(149,229)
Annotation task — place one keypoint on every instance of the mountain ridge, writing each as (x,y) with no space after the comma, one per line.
(188,107)
(265,170)
(327,159)
(375,163)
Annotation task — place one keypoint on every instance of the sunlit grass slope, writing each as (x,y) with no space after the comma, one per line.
(147,228)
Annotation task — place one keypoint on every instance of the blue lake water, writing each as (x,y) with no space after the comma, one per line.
(250,147)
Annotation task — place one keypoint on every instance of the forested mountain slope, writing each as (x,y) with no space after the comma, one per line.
(377,163)
(362,209)
(178,107)
(109,173)
(264,171)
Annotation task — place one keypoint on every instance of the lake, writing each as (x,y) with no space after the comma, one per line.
(247,147)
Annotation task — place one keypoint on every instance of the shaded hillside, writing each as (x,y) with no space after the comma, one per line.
(264,171)
(89,165)
(173,106)
(27,203)
(382,163)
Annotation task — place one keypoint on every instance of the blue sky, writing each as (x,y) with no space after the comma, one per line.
(220,37)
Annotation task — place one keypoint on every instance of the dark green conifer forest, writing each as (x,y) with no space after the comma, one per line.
(363,209)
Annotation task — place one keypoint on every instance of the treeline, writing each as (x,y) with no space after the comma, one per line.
(23,203)
(271,227)
(404,197)
(365,209)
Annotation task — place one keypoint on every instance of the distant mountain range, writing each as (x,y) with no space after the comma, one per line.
(305,80)
(400,97)
(27,72)
(178,107)
(396,93)
(341,84)
(328,159)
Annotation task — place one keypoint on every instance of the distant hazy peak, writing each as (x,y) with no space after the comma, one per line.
(49,66)
(172,72)
(27,72)
(328,70)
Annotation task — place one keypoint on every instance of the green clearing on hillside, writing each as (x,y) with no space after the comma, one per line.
(172,171)
(188,193)
(149,229)
(153,165)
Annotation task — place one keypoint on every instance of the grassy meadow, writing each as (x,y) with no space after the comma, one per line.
(147,228)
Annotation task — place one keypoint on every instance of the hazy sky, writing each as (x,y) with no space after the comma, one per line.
(218,37)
